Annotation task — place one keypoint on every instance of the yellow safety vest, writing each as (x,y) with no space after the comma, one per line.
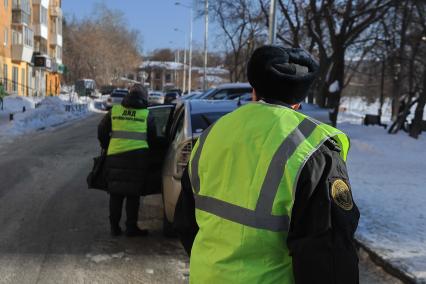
(129,130)
(244,172)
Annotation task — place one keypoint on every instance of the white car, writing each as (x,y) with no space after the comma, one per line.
(155,98)
(116,97)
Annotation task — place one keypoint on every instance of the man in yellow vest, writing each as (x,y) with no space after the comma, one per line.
(125,132)
(270,187)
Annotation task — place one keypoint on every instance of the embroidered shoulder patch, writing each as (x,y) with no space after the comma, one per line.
(342,195)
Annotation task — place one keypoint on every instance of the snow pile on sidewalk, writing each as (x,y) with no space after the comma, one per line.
(50,112)
(16,103)
(388,179)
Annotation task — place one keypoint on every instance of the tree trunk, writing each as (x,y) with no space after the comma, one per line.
(320,85)
(416,127)
(337,74)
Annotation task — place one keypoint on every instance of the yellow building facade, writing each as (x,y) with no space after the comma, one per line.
(31,46)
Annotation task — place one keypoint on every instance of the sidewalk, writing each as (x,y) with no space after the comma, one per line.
(388,181)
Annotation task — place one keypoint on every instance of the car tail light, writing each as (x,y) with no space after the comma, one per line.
(184,154)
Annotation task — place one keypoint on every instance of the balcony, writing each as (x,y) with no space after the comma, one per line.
(41,30)
(20,17)
(22,49)
(44,3)
(55,39)
(55,11)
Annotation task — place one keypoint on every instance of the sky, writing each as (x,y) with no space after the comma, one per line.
(156,20)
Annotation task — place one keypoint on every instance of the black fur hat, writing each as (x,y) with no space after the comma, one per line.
(283,74)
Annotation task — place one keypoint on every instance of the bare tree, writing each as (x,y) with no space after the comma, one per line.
(240,23)
(416,127)
(102,47)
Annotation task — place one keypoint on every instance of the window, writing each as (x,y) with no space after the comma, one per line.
(28,36)
(59,23)
(6,3)
(43,15)
(202,121)
(168,78)
(15,79)
(5,78)
(230,94)
(6,36)
(23,81)
(16,38)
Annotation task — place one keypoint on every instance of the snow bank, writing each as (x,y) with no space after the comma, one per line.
(388,178)
(16,103)
(50,112)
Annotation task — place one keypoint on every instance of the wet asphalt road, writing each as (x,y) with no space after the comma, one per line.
(55,230)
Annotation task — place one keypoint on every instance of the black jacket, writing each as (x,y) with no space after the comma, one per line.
(320,239)
(127,173)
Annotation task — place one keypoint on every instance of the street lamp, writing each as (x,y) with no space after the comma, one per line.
(184,62)
(206,31)
(190,46)
(273,22)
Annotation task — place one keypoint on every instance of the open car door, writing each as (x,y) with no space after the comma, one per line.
(163,116)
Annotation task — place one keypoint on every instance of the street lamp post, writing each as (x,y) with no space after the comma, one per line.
(206,31)
(184,62)
(190,46)
(273,22)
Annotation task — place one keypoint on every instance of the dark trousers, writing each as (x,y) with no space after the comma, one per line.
(115,209)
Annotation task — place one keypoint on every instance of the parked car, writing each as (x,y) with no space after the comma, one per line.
(116,97)
(229,91)
(85,87)
(177,129)
(107,89)
(156,98)
(171,97)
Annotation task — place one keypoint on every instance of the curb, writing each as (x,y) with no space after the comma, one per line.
(390,268)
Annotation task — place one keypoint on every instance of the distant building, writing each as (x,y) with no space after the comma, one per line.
(163,75)
(31,46)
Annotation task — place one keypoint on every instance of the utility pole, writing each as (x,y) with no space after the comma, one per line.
(190,46)
(206,31)
(184,70)
(273,22)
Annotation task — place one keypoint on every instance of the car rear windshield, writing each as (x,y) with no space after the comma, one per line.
(201,121)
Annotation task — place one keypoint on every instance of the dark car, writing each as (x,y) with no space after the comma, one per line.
(171,97)
(107,89)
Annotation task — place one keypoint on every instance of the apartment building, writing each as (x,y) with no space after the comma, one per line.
(31,46)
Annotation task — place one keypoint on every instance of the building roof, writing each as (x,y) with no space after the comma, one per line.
(168,65)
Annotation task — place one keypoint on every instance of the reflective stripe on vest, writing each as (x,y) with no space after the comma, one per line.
(129,127)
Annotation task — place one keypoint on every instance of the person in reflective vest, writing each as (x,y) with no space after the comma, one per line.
(270,187)
(125,132)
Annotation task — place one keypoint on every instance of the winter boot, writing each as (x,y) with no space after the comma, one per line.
(134,231)
(116,230)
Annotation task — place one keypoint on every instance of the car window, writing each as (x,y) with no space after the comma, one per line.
(118,94)
(161,118)
(179,127)
(202,121)
(233,94)
(230,94)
